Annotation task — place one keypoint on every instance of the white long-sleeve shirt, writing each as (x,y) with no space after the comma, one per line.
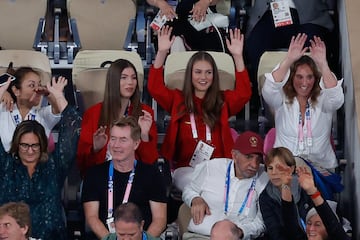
(287,120)
(208,182)
(9,121)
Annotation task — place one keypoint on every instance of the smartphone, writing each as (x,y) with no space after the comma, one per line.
(4,77)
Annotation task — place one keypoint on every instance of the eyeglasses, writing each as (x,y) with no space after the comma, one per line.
(25,147)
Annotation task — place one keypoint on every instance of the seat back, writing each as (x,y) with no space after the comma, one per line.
(26,58)
(267,63)
(175,65)
(102,24)
(89,78)
(19,22)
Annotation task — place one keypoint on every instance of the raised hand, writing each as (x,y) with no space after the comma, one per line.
(318,51)
(296,48)
(57,87)
(145,122)
(285,173)
(164,41)
(5,97)
(235,42)
(199,209)
(306,180)
(99,138)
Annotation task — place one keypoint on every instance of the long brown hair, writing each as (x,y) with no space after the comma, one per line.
(213,100)
(289,86)
(112,99)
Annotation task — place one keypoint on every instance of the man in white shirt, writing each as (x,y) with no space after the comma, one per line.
(228,189)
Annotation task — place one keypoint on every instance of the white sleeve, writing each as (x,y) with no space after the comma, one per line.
(272,91)
(47,118)
(194,188)
(331,99)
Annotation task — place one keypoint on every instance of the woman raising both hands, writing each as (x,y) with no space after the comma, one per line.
(200,112)
(304,94)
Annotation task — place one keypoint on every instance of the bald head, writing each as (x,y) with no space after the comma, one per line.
(225,230)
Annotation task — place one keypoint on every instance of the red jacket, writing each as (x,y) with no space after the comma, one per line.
(146,152)
(170,100)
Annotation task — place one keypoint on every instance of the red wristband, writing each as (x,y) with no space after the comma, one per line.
(315,195)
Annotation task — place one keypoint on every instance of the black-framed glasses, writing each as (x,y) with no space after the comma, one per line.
(25,147)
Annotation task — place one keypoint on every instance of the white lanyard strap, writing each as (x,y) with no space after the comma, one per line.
(194,130)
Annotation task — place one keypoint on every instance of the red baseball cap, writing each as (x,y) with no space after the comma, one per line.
(249,142)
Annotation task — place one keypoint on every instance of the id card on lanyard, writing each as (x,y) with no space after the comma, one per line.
(281,13)
(301,139)
(203,150)
(110,218)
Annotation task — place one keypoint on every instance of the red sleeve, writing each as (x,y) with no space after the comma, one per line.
(157,89)
(147,151)
(85,155)
(237,98)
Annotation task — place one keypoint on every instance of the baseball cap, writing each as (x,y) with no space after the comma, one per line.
(249,142)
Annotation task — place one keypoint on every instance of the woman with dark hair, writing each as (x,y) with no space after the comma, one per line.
(304,94)
(26,92)
(199,127)
(121,98)
(28,173)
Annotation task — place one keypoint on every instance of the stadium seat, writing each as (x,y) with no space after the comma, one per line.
(19,22)
(175,65)
(100,26)
(28,58)
(89,77)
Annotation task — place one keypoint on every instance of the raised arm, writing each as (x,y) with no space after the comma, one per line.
(318,54)
(235,45)
(56,97)
(164,44)
(296,50)
(329,219)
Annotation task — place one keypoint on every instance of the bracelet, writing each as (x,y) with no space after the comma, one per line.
(285,187)
(315,195)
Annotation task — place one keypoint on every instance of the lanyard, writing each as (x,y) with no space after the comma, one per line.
(17,118)
(111,187)
(248,197)
(194,130)
(308,128)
